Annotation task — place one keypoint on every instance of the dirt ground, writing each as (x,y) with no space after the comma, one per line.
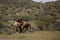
(38,35)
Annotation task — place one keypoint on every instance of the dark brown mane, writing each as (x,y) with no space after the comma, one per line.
(19,20)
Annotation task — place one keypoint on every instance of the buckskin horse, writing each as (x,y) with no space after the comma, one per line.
(21,24)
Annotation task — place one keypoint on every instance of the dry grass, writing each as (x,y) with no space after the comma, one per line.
(40,35)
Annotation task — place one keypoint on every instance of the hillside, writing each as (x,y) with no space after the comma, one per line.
(42,16)
(18,8)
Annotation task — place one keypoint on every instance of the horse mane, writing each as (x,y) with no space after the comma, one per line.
(19,20)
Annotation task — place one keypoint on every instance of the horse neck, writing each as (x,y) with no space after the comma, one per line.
(25,22)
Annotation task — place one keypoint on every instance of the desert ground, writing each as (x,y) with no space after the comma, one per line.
(38,35)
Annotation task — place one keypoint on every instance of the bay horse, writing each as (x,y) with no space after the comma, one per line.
(26,26)
(21,24)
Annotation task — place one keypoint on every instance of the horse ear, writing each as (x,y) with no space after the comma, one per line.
(17,20)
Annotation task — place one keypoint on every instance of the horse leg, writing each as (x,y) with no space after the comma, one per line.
(16,29)
(30,29)
(20,29)
(25,28)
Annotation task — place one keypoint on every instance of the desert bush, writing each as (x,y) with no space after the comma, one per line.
(6,28)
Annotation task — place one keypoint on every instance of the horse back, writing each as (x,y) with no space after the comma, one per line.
(17,24)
